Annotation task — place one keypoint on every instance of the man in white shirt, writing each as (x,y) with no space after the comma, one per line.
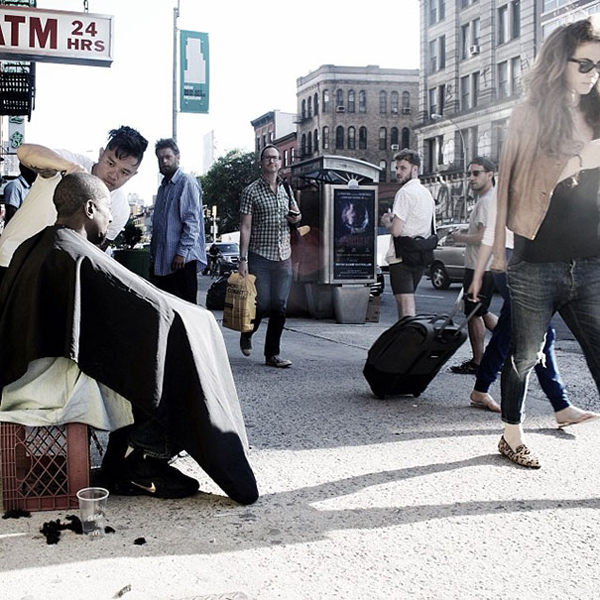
(481,181)
(413,215)
(117,164)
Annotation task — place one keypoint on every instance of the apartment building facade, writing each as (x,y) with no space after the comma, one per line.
(363,113)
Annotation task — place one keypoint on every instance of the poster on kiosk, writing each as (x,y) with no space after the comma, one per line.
(351,234)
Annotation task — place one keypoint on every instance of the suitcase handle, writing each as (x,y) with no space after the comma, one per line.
(454,310)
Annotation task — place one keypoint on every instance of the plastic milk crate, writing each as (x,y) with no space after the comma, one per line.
(43,467)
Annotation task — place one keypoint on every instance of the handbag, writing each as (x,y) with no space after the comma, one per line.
(416,251)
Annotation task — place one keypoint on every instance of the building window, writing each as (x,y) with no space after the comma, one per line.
(303,109)
(475,89)
(405,137)
(394,102)
(515,19)
(362,138)
(258,144)
(310,107)
(362,101)
(432,101)
(292,156)
(382,138)
(464,41)
(382,103)
(264,140)
(475,32)
(339,99)
(394,136)
(442,97)
(503,79)
(339,137)
(309,144)
(325,101)
(498,136)
(515,75)
(474,141)
(464,92)
(316,104)
(503,30)
(433,56)
(316,140)
(383,173)
(405,99)
(303,145)
(442,44)
(325,138)
(351,101)
(437,11)
(351,138)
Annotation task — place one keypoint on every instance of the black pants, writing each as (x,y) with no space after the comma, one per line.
(182,283)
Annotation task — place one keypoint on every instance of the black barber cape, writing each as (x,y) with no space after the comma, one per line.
(62,296)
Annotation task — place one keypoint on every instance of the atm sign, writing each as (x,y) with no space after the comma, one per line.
(55,36)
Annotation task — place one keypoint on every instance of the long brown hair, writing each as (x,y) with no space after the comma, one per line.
(547,85)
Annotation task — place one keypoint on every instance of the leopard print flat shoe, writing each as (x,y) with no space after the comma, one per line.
(522,455)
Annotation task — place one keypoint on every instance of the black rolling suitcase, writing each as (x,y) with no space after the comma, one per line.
(405,358)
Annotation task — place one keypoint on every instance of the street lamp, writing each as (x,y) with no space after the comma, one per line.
(438,117)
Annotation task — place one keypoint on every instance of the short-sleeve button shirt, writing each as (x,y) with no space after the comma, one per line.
(270,231)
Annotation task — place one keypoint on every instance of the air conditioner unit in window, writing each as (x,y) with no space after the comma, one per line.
(474,50)
(394,147)
(340,109)
(406,110)
(394,111)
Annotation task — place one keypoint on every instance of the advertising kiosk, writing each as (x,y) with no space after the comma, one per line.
(343,214)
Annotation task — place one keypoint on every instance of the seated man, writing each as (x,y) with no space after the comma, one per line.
(63,298)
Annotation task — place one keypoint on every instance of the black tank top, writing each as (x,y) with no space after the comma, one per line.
(570,229)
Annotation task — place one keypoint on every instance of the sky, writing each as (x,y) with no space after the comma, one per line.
(257,51)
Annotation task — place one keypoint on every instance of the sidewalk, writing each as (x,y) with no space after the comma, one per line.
(360,498)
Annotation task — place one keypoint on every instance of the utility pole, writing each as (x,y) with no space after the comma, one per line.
(175,16)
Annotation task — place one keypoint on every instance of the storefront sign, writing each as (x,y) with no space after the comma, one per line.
(56,36)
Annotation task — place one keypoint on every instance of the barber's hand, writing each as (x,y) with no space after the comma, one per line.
(243,268)
(178,263)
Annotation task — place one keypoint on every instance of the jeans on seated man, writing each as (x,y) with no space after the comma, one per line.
(62,297)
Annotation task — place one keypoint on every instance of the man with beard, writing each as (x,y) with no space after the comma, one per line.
(177,249)
(412,215)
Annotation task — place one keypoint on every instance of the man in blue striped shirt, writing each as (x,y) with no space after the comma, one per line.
(177,248)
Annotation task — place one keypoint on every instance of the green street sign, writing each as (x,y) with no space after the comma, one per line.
(193,72)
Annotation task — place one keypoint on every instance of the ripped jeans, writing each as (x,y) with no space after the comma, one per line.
(537,292)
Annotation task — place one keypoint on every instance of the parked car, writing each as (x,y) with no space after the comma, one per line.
(227,253)
(448,258)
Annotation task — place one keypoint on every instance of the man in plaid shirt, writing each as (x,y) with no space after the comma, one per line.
(266,211)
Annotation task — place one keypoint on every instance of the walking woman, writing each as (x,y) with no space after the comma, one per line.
(549,181)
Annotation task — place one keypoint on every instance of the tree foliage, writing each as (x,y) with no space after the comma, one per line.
(223,184)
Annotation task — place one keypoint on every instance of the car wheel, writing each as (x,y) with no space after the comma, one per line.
(439,277)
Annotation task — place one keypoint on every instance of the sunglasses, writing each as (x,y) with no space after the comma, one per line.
(475,172)
(585,64)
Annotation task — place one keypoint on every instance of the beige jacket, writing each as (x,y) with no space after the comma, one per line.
(526,179)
